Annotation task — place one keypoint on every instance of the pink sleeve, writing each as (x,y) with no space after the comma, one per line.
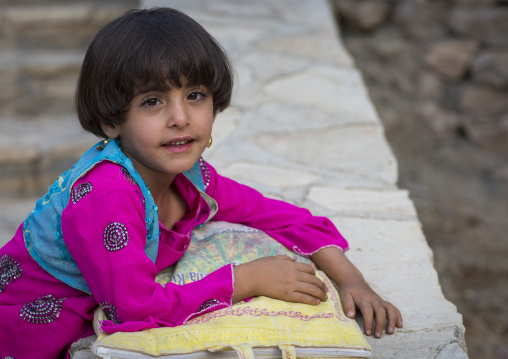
(104,229)
(294,227)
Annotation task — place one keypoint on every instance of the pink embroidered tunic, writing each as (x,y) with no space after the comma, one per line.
(104,229)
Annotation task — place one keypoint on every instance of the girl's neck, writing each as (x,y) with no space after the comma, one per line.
(172,207)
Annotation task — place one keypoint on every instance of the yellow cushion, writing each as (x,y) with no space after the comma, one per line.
(261,327)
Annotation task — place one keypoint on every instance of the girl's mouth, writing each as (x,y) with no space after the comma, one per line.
(179,145)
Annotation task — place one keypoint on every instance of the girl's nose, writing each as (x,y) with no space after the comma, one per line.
(178,116)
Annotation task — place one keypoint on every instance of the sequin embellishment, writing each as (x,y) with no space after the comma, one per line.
(80,191)
(110,311)
(208,304)
(10,270)
(115,236)
(205,170)
(128,176)
(43,310)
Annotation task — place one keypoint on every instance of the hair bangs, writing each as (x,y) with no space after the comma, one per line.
(159,48)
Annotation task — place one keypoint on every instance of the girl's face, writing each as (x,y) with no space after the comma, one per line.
(166,132)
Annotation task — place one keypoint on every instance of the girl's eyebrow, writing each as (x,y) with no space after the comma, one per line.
(144,90)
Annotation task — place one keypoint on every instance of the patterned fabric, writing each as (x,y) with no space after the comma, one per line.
(43,310)
(209,303)
(205,171)
(110,311)
(260,322)
(10,270)
(116,236)
(80,191)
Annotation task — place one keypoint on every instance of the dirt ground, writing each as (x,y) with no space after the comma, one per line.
(462,202)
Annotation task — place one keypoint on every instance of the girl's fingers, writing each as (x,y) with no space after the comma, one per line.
(380,313)
(392,318)
(312,290)
(283,257)
(348,304)
(303,267)
(399,319)
(368,318)
(299,297)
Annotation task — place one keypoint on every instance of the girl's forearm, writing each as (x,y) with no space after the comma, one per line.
(337,266)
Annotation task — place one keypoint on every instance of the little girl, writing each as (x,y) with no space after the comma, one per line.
(151,85)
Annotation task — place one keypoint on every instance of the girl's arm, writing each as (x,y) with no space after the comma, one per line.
(104,229)
(355,292)
(305,234)
(294,227)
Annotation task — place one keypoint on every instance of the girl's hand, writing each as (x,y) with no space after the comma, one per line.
(279,277)
(356,293)
(359,294)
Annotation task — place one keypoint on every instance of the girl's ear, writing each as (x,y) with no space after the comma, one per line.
(112,131)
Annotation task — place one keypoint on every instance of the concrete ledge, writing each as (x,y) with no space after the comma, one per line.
(303,129)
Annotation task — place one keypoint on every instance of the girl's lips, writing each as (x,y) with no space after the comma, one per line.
(179,145)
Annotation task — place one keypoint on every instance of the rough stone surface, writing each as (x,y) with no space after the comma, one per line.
(488,25)
(451,58)
(491,68)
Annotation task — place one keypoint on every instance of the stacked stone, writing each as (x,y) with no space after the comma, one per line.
(42,44)
(449,57)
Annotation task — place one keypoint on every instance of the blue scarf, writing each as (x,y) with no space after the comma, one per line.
(42,230)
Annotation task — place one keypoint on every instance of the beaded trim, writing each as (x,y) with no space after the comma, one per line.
(10,270)
(43,310)
(80,191)
(128,176)
(110,311)
(208,304)
(9,358)
(205,170)
(116,236)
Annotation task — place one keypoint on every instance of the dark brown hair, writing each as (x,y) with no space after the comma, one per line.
(157,47)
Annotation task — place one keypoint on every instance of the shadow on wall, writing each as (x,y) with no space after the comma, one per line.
(437,72)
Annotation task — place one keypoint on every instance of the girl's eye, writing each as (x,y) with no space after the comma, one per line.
(151,102)
(196,95)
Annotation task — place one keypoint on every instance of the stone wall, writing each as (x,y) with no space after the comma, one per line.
(42,44)
(449,57)
(39,66)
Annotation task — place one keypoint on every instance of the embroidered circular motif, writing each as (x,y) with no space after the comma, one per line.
(208,304)
(110,311)
(43,310)
(80,191)
(115,236)
(10,270)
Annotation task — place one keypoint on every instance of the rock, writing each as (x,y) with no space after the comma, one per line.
(489,25)
(477,99)
(430,86)
(422,19)
(443,123)
(451,58)
(489,132)
(491,68)
(364,15)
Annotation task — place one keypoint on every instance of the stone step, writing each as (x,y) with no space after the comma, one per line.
(27,164)
(40,83)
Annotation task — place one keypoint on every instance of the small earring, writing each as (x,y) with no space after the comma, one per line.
(104,143)
(210,142)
